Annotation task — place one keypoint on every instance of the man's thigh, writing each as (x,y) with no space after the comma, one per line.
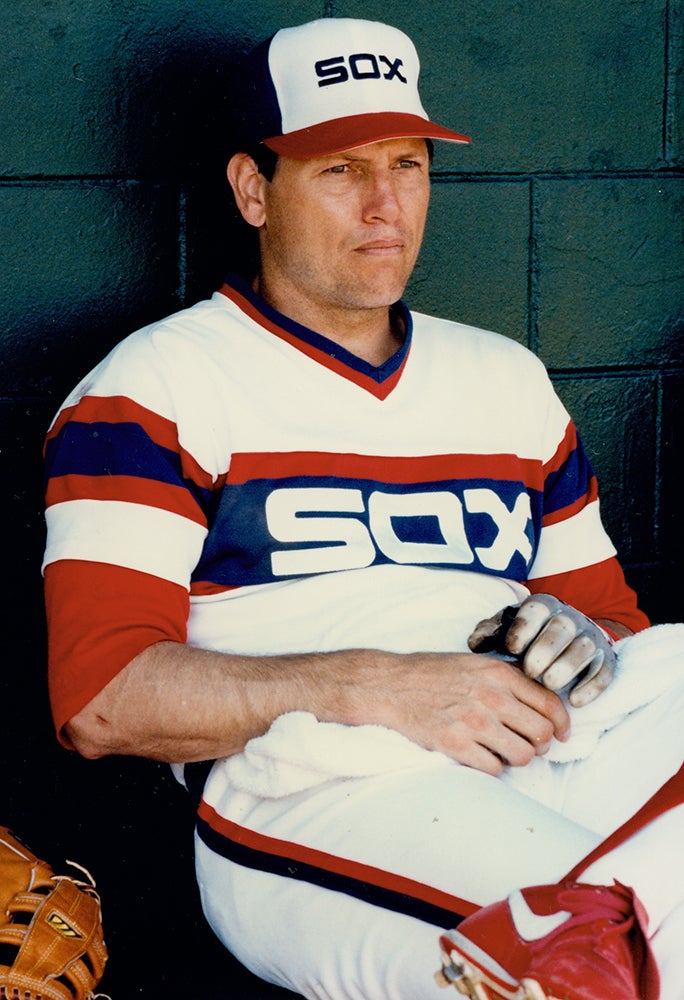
(627,765)
(341,891)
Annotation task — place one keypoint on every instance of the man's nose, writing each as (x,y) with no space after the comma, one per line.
(380,199)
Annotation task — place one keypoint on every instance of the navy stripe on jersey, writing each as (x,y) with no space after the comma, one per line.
(337,876)
(565,485)
(108,449)
(323,344)
(269,529)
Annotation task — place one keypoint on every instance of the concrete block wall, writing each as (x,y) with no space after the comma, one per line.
(561,226)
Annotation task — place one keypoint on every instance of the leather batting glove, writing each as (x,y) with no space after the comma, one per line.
(553,643)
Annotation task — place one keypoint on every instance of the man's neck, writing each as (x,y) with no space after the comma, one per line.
(374,335)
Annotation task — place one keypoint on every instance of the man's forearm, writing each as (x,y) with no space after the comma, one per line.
(177,703)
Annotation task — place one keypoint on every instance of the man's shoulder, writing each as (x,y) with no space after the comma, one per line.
(185,329)
(477,340)
(202,317)
(161,353)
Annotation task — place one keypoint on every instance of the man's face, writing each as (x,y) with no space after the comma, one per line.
(343,232)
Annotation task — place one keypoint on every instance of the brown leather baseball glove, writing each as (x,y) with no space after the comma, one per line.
(51,939)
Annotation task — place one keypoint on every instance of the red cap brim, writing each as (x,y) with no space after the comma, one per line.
(340,134)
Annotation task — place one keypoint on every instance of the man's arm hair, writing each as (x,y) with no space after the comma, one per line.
(177,703)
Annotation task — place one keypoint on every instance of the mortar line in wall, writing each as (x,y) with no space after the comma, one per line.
(45,181)
(485,176)
(668,88)
(533,271)
(438,177)
(611,371)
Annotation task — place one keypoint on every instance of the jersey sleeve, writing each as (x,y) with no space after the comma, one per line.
(576,560)
(599,591)
(100,617)
(126,514)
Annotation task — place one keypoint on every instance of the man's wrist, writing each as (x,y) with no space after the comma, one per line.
(614,631)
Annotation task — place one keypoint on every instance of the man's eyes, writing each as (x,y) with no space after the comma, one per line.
(344,168)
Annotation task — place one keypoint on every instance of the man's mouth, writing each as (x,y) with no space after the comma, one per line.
(380,247)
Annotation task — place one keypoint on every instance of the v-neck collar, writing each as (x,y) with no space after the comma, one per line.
(379,381)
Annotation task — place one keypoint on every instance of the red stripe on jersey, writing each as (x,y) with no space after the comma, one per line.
(245,467)
(380,390)
(119,410)
(564,449)
(204,588)
(565,513)
(598,591)
(331,863)
(122,410)
(127,489)
(99,618)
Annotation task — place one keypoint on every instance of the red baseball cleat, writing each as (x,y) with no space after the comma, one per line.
(569,941)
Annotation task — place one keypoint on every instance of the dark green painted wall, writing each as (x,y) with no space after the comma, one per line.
(561,226)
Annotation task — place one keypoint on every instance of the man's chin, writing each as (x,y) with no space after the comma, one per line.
(377,294)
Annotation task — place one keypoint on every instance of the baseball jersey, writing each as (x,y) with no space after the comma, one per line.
(228,478)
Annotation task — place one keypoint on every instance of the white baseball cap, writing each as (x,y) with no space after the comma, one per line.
(331,85)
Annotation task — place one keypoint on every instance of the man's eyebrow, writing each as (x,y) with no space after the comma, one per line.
(405,154)
(344,155)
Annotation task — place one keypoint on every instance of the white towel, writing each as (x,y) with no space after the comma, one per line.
(648,665)
(299,752)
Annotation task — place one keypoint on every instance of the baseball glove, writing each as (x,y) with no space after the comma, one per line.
(51,941)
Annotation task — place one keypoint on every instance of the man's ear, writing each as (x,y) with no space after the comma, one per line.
(248,188)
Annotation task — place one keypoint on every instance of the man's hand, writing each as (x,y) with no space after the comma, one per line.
(554,643)
(478,710)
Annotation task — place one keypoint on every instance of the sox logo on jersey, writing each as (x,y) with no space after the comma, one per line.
(320,514)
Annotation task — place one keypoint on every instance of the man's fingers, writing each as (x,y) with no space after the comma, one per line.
(481,758)
(556,644)
(573,658)
(597,680)
(480,639)
(556,636)
(512,743)
(544,704)
(525,732)
(489,635)
(508,718)
(531,617)
(535,731)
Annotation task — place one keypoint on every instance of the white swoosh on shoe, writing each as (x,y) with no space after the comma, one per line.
(533,926)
